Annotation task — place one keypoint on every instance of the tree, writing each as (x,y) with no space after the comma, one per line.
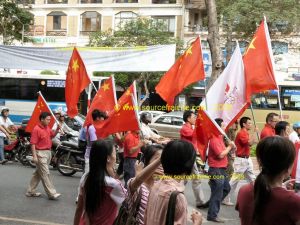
(138,32)
(12,19)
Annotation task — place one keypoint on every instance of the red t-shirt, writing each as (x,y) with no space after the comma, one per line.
(131,140)
(187,134)
(267,131)
(242,143)
(216,147)
(41,137)
(283,208)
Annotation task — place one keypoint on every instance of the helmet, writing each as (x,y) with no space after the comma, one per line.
(146,117)
(296,125)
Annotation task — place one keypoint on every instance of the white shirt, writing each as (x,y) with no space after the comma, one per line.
(294,137)
(148,133)
(5,124)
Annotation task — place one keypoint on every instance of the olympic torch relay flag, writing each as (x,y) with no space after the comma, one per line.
(226,98)
(205,129)
(187,69)
(259,63)
(76,81)
(41,106)
(104,100)
(123,118)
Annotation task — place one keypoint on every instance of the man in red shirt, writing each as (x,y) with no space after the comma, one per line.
(243,166)
(219,180)
(186,133)
(132,146)
(269,129)
(41,151)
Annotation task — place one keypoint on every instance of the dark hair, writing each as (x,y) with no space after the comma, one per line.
(43,115)
(187,114)
(280,127)
(178,157)
(145,118)
(219,121)
(275,155)
(148,153)
(244,120)
(98,114)
(94,187)
(270,116)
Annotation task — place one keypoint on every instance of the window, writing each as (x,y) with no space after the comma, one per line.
(56,1)
(56,22)
(90,21)
(90,1)
(126,1)
(167,22)
(163,1)
(123,17)
(164,120)
(177,121)
(291,97)
(266,100)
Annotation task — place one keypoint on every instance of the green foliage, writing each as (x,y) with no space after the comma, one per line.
(11,19)
(253,151)
(49,72)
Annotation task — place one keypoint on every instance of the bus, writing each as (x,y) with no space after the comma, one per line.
(266,102)
(18,92)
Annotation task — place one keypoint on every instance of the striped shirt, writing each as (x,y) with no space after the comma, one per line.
(144,200)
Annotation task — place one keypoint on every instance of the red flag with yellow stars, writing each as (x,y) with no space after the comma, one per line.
(187,69)
(258,63)
(77,80)
(104,100)
(128,92)
(205,129)
(122,118)
(41,106)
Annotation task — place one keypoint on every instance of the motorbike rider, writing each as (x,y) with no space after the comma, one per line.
(148,134)
(294,136)
(6,129)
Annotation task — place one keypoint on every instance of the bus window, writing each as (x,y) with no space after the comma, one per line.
(265,100)
(291,98)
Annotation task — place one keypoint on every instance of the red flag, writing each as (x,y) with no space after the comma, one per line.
(130,91)
(258,62)
(205,129)
(296,168)
(187,69)
(123,118)
(41,106)
(77,80)
(104,100)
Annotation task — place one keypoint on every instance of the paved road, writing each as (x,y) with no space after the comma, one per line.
(16,209)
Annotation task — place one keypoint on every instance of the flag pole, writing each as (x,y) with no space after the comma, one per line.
(254,120)
(114,89)
(136,114)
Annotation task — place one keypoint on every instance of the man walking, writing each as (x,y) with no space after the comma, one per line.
(269,130)
(41,151)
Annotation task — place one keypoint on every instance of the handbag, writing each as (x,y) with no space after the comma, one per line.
(128,215)
(171,208)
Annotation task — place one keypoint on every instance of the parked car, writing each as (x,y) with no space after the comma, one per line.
(153,113)
(168,124)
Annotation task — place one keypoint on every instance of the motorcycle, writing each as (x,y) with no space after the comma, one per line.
(70,158)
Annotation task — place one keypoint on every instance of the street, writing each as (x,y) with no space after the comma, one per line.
(17,209)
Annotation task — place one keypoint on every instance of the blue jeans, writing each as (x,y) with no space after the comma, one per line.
(1,148)
(129,169)
(219,186)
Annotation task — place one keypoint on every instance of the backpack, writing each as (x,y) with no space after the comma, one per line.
(128,215)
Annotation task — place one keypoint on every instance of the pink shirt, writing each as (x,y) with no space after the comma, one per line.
(41,137)
(158,201)
(283,208)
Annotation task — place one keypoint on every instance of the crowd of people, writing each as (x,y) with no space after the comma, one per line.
(155,168)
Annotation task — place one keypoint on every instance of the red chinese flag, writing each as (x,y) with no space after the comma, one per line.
(205,129)
(187,69)
(296,167)
(41,106)
(258,62)
(77,80)
(104,100)
(130,91)
(123,118)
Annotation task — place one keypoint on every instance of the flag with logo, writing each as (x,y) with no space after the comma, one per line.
(41,106)
(205,129)
(226,98)
(76,81)
(259,63)
(296,168)
(104,100)
(188,69)
(122,118)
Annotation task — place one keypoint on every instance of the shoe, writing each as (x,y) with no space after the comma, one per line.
(228,203)
(55,196)
(217,220)
(36,194)
(203,206)
(4,161)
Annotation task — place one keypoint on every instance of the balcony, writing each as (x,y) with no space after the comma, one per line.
(56,33)
(35,30)
(196,4)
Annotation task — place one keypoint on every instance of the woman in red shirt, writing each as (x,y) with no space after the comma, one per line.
(267,202)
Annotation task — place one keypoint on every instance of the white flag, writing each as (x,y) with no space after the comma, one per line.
(226,98)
